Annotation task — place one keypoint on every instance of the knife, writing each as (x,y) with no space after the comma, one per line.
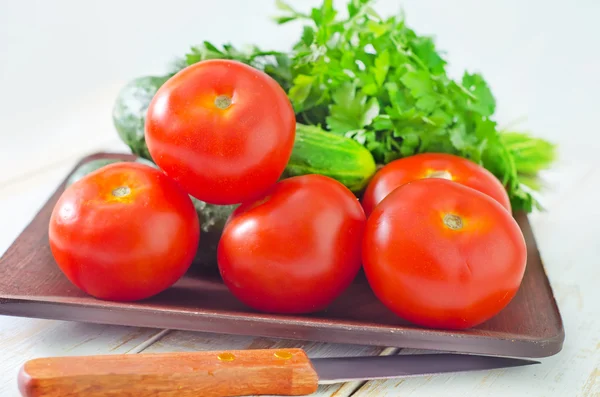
(285,372)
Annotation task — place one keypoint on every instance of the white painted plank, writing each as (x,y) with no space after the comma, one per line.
(198,341)
(22,339)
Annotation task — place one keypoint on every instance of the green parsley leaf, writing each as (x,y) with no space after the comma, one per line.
(351,110)
(300,90)
(382,64)
(484,104)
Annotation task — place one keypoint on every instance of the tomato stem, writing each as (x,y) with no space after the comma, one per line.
(222,101)
(121,191)
(454,222)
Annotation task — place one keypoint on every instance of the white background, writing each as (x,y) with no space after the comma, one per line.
(62,63)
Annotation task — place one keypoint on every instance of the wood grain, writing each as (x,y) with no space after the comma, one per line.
(23,339)
(286,372)
(31,285)
(176,341)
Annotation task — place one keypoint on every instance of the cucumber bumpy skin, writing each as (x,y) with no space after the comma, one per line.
(129,111)
(320,152)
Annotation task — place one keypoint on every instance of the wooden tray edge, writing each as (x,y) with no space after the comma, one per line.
(141,317)
(18,307)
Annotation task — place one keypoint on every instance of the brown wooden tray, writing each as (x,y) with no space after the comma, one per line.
(31,285)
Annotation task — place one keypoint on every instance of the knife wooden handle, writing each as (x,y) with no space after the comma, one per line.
(286,372)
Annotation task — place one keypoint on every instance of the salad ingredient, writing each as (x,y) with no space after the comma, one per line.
(374,79)
(319,152)
(129,112)
(212,220)
(295,249)
(124,232)
(222,129)
(529,156)
(212,217)
(432,165)
(443,255)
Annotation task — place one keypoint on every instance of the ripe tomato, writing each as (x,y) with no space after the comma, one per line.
(295,249)
(222,129)
(443,255)
(432,165)
(124,232)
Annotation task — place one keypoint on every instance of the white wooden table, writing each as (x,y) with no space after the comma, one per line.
(62,63)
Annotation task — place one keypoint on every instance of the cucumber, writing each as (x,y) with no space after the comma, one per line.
(212,222)
(212,217)
(343,159)
(129,111)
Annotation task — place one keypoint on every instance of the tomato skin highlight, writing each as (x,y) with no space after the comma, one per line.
(124,232)
(222,129)
(296,249)
(433,275)
(429,165)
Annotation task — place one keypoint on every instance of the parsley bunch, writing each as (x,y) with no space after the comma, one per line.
(375,80)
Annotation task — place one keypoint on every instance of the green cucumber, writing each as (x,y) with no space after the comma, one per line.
(343,159)
(129,112)
(212,222)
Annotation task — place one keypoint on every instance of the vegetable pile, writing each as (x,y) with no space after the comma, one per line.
(289,172)
(375,80)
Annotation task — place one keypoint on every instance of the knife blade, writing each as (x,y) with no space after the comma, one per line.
(345,369)
(286,372)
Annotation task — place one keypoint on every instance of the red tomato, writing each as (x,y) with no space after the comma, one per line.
(432,165)
(222,129)
(296,249)
(124,232)
(443,255)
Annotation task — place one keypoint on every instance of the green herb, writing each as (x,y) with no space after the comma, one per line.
(373,79)
(277,64)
